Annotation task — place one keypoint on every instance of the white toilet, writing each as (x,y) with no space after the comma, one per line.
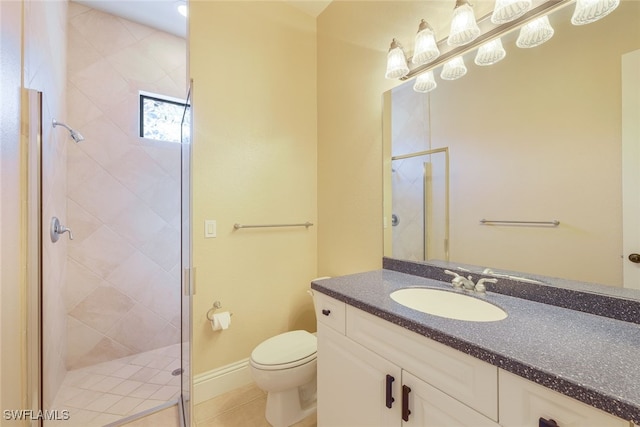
(285,367)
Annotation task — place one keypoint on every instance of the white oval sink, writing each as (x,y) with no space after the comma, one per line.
(452,305)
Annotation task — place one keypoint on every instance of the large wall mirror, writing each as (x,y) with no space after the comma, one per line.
(536,137)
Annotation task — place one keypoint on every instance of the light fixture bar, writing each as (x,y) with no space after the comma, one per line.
(488,32)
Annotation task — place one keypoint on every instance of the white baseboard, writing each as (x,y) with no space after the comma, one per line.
(221,380)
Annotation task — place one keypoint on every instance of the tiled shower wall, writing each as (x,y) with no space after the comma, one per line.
(44,70)
(123,196)
(409,134)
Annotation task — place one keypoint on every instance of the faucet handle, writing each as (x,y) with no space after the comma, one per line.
(458,280)
(480,287)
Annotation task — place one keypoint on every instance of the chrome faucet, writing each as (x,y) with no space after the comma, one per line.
(466,283)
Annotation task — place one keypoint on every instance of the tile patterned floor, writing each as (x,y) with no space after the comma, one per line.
(107,392)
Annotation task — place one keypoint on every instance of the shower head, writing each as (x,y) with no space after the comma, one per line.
(76,136)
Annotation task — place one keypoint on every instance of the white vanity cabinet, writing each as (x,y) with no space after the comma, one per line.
(523,403)
(374,373)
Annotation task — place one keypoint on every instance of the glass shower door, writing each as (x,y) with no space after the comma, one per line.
(187,271)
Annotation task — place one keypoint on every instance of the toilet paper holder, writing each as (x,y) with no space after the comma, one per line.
(216,305)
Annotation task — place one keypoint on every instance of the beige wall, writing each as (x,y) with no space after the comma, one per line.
(122,292)
(254,162)
(352,41)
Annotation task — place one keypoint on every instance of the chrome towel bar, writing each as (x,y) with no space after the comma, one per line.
(239,226)
(553,223)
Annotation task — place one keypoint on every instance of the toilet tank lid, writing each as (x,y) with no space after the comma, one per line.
(285,348)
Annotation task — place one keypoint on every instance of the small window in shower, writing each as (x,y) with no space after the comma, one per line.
(161,117)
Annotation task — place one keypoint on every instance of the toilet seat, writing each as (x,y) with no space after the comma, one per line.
(285,351)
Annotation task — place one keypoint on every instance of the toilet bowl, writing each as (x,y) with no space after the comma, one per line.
(284,366)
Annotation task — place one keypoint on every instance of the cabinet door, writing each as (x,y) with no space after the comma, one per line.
(523,403)
(429,407)
(463,377)
(352,384)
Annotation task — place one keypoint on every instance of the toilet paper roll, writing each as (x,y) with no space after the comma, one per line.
(221,321)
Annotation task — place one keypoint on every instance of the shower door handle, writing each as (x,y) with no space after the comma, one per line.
(189,281)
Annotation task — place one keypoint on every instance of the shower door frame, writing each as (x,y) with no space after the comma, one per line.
(31,136)
(188,272)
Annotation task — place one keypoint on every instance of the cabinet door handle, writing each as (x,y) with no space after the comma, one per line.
(389,394)
(405,403)
(326,312)
(547,423)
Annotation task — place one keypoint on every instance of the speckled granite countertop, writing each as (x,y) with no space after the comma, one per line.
(591,358)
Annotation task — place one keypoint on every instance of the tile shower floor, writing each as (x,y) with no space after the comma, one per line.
(101,394)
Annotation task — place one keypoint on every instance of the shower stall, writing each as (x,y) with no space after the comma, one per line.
(108,231)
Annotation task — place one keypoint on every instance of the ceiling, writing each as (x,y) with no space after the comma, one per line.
(163,14)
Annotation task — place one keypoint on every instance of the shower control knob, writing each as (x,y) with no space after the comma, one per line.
(58,229)
(634,258)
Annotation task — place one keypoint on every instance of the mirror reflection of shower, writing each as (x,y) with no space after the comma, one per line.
(420,187)
(75,135)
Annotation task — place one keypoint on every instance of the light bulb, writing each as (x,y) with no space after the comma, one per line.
(535,33)
(396,62)
(425,82)
(453,69)
(588,11)
(426,49)
(508,10)
(464,28)
(490,53)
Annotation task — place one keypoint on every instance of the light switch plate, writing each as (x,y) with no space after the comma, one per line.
(210,228)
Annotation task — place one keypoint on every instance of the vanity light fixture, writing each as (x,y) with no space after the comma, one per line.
(453,69)
(396,62)
(426,49)
(425,82)
(588,11)
(508,10)
(531,18)
(464,28)
(490,53)
(535,33)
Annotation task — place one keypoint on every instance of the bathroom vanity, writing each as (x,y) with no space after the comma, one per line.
(381,363)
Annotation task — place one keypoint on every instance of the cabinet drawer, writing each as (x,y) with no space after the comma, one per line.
(463,377)
(523,403)
(329,311)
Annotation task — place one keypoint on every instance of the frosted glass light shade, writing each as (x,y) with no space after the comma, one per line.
(425,82)
(535,33)
(464,28)
(490,53)
(426,49)
(453,69)
(508,10)
(588,11)
(396,62)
